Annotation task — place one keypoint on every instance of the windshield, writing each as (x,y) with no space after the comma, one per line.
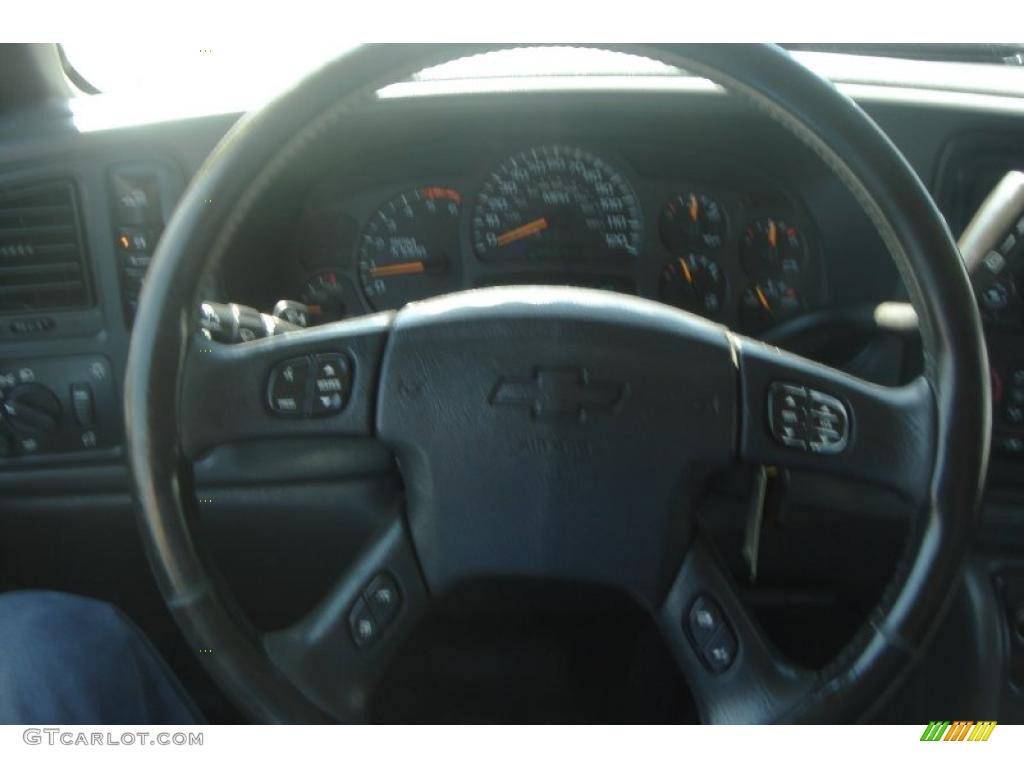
(261,69)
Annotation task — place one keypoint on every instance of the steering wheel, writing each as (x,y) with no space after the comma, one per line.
(559,433)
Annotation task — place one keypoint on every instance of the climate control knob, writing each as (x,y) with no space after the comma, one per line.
(31,409)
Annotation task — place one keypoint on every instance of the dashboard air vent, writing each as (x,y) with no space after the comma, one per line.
(42,253)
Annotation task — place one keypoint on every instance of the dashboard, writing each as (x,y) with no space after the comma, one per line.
(634,217)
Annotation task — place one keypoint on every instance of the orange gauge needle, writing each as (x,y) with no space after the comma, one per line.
(763,299)
(694,208)
(403,268)
(773,233)
(531,227)
(686,271)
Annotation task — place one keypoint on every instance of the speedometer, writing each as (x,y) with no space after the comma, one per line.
(556,203)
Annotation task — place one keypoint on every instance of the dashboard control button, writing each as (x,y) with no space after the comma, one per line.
(288,391)
(135,195)
(712,637)
(133,239)
(82,404)
(704,620)
(806,419)
(32,409)
(1011,444)
(1008,245)
(362,624)
(383,598)
(331,384)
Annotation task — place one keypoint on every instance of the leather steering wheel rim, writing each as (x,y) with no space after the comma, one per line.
(954,418)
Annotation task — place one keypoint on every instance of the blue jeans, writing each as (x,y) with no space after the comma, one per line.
(71,660)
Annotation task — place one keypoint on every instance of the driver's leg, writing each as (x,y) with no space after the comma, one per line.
(72,660)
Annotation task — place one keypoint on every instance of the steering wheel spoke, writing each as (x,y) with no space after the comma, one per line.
(732,669)
(316,382)
(337,652)
(799,414)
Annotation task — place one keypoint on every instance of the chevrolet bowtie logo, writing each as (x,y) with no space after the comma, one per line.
(558,392)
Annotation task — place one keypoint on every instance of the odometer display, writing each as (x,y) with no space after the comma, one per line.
(556,203)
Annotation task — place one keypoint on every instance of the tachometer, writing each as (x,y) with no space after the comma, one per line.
(409,249)
(556,203)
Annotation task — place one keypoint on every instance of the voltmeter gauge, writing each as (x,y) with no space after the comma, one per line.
(694,283)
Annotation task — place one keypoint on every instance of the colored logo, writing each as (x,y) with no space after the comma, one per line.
(959,730)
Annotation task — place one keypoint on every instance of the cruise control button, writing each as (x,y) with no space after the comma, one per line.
(288,389)
(806,419)
(363,625)
(332,382)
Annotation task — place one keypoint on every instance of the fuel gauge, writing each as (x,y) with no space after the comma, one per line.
(768,302)
(328,296)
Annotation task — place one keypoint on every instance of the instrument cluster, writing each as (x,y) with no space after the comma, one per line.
(559,214)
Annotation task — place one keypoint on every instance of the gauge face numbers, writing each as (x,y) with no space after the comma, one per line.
(692,222)
(556,203)
(409,249)
(326,293)
(768,302)
(694,283)
(772,247)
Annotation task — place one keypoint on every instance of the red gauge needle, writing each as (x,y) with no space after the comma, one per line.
(773,233)
(403,268)
(532,227)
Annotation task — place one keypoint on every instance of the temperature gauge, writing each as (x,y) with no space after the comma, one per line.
(328,297)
